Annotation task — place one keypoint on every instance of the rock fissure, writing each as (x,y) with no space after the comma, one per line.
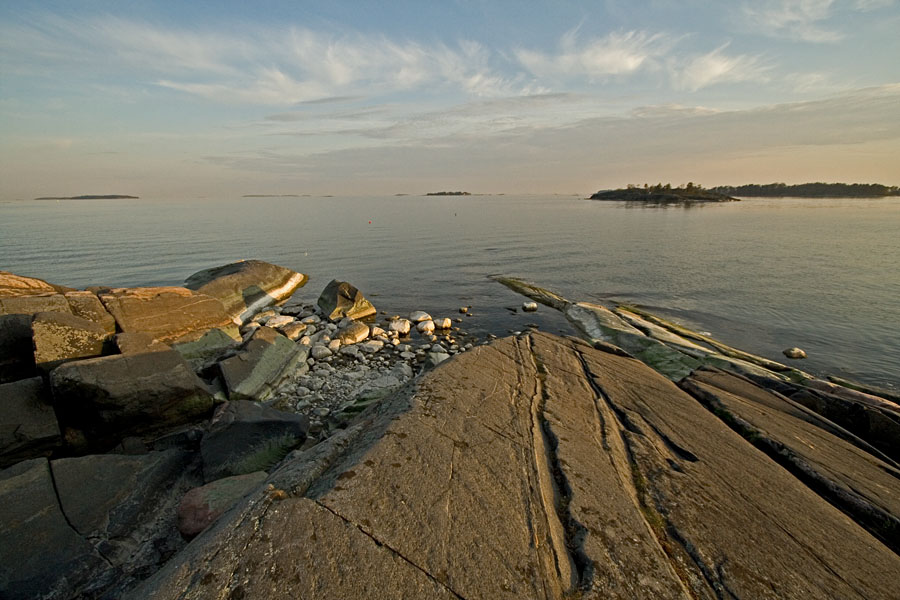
(65,516)
(392,550)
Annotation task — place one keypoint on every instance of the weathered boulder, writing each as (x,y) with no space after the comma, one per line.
(112,397)
(16,349)
(28,426)
(88,306)
(167,313)
(59,337)
(41,555)
(352,333)
(201,506)
(535,467)
(246,436)
(12,285)
(138,342)
(206,350)
(400,326)
(293,331)
(263,363)
(247,286)
(339,299)
(794,352)
(125,505)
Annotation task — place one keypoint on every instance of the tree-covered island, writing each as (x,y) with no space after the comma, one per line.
(811,190)
(663,194)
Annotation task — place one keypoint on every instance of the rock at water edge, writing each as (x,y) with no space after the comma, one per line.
(340,299)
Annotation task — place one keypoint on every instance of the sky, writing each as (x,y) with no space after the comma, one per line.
(205,99)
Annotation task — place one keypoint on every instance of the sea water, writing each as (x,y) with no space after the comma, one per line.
(762,274)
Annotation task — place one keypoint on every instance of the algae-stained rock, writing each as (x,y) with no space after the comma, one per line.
(59,337)
(18,285)
(201,506)
(535,467)
(206,350)
(246,436)
(247,286)
(339,299)
(16,349)
(41,556)
(28,426)
(88,306)
(261,366)
(124,504)
(167,313)
(131,394)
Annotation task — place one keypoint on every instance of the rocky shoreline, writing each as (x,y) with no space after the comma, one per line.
(223,439)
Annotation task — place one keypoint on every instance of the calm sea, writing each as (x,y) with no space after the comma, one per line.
(762,274)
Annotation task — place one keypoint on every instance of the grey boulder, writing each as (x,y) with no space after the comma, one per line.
(28,426)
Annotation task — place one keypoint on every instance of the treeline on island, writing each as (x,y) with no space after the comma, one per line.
(811,190)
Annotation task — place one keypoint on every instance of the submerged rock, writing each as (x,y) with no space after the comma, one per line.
(794,353)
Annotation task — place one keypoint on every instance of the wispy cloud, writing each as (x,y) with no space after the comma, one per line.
(718,67)
(794,19)
(614,54)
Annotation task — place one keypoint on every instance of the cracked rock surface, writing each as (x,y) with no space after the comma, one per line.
(536,467)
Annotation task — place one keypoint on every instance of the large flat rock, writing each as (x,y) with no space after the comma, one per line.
(247,286)
(60,337)
(18,285)
(535,467)
(166,313)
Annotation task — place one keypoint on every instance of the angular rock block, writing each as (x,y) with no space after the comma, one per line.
(41,555)
(201,506)
(112,397)
(16,349)
(246,287)
(138,342)
(124,504)
(60,337)
(246,436)
(28,426)
(167,313)
(339,299)
(265,361)
(88,306)
(28,305)
(206,350)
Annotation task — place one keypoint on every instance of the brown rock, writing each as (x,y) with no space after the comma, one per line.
(12,285)
(247,286)
(166,313)
(60,337)
(535,467)
(202,505)
(88,306)
(16,350)
(353,333)
(28,305)
(138,342)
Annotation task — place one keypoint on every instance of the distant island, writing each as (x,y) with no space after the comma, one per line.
(448,194)
(811,190)
(663,194)
(270,196)
(89,197)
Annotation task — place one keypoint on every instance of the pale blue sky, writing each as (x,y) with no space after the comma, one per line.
(209,98)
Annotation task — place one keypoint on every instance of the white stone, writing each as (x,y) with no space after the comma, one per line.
(279,321)
(529,306)
(334,345)
(443,323)
(311,319)
(400,326)
(319,352)
(305,341)
(407,355)
(463,309)
(375,331)
(425,326)
(417,316)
